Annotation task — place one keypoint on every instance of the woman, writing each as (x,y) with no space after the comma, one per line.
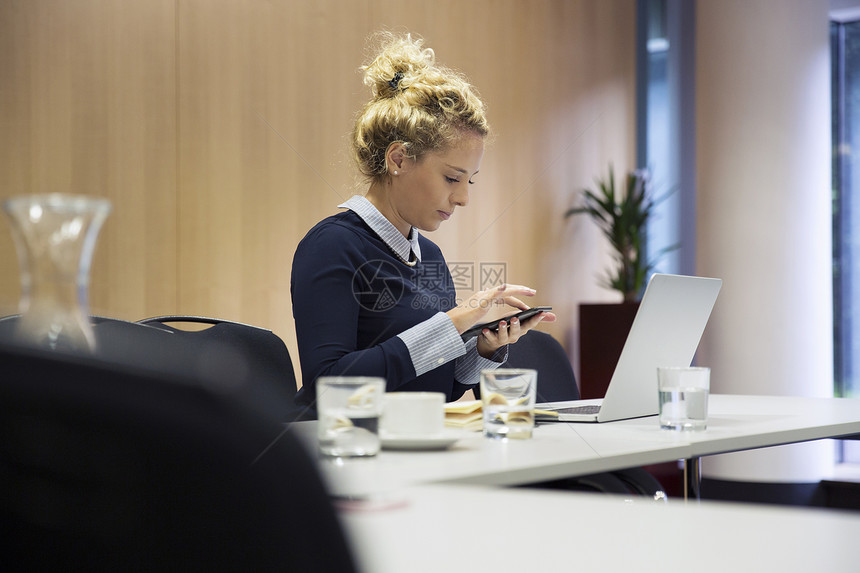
(371,295)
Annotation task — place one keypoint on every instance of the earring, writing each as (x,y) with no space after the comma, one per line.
(395,172)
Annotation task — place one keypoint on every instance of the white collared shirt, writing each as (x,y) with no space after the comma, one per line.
(404,247)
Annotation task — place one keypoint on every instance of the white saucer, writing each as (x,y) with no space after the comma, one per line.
(435,442)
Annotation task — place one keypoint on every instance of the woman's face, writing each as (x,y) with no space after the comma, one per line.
(426,191)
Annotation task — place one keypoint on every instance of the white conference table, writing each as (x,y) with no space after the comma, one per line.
(559,450)
(480,529)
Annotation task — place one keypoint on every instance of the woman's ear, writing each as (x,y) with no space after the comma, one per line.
(396,157)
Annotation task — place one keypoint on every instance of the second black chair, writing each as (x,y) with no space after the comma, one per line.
(557,382)
(231,353)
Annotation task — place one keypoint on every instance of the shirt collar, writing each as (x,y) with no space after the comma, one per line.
(389,234)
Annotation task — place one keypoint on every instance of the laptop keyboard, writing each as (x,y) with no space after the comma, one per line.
(591,409)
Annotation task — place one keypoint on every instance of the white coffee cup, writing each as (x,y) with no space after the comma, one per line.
(413,414)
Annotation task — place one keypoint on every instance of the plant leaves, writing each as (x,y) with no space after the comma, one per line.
(623,220)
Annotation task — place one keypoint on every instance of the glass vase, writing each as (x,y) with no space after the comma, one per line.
(55,237)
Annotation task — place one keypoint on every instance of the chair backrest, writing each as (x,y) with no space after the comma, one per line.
(227,354)
(232,351)
(540,351)
(105,465)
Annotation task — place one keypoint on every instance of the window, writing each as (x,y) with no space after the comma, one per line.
(665,131)
(845,49)
(845,94)
(666,78)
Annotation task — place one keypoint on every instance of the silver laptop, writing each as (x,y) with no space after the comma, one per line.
(665,332)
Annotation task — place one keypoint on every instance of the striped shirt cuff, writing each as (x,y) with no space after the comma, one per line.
(467,371)
(432,343)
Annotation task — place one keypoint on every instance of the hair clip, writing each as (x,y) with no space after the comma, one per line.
(396,80)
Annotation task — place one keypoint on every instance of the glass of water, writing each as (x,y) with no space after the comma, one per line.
(508,402)
(349,408)
(683,396)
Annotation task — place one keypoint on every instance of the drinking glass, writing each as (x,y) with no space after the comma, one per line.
(349,408)
(683,397)
(508,402)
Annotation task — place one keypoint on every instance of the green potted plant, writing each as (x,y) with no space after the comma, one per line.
(622,215)
(623,218)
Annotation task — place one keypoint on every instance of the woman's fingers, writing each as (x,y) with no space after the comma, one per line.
(507,294)
(498,337)
(515,330)
(507,290)
(515,302)
(518,328)
(479,304)
(533,321)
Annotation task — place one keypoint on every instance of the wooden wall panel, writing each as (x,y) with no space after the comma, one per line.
(218,128)
(87,106)
(267,95)
(264,104)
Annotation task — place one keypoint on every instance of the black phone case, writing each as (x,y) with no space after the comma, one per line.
(494,324)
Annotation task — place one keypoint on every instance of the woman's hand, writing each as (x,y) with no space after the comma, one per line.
(476,307)
(509,332)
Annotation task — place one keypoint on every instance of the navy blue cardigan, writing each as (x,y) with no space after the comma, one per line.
(352,296)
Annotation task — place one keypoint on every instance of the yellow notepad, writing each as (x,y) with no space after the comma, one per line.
(468,415)
(464,415)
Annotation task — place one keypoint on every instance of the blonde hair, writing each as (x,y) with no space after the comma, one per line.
(424,106)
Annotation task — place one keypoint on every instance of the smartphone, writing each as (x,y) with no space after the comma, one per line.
(494,324)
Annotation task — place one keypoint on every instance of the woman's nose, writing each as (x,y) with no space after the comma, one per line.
(461,197)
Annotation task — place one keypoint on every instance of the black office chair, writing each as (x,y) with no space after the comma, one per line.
(233,352)
(557,382)
(228,354)
(105,465)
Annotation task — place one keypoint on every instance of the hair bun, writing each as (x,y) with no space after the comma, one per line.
(401,62)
